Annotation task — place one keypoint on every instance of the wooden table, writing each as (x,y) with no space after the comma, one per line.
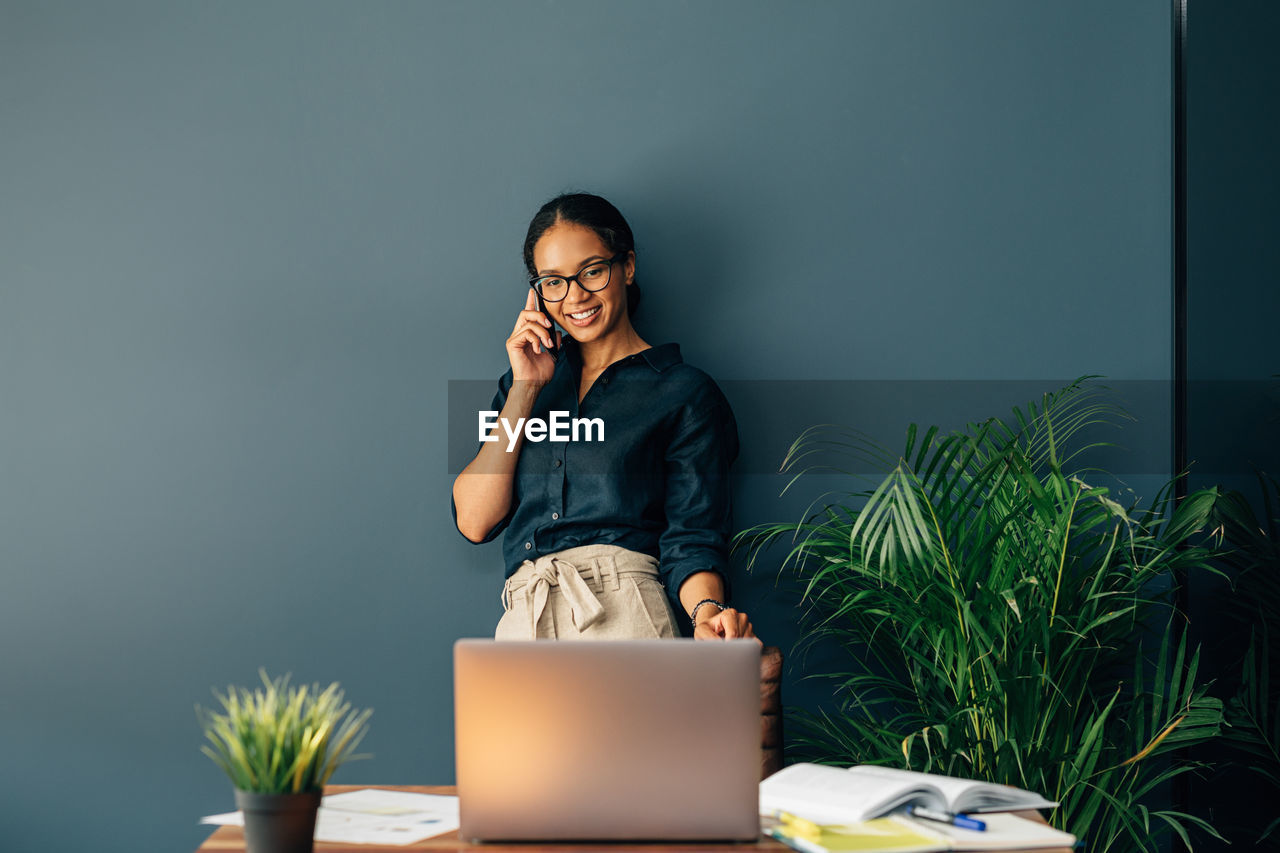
(231,838)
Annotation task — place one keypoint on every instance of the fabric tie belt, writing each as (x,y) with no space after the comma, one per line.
(550,570)
(537,577)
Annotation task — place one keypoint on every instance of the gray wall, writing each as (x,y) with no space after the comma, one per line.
(246,246)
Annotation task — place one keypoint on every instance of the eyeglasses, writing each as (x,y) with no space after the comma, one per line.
(591,278)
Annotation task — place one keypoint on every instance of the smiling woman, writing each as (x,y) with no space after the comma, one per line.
(603,537)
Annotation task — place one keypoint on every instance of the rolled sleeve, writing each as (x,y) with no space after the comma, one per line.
(698,501)
(488,537)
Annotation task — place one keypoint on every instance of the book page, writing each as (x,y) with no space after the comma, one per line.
(950,787)
(830,795)
(961,795)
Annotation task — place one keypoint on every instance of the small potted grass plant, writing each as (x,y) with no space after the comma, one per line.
(279,744)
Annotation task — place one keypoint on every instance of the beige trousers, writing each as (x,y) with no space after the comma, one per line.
(593,592)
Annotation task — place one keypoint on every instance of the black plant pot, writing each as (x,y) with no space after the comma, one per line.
(278,823)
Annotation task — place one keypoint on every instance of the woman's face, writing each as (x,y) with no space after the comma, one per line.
(564,249)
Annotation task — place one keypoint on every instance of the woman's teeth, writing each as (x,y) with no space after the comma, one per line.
(582,315)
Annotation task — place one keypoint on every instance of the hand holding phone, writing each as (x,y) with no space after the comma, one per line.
(533,345)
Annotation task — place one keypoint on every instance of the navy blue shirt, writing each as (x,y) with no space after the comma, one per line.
(658,483)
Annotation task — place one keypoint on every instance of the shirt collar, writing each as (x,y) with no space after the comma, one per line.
(659,358)
(662,356)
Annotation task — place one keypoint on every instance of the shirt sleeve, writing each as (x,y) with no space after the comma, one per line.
(499,400)
(699,516)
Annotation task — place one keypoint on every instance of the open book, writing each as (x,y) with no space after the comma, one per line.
(831,795)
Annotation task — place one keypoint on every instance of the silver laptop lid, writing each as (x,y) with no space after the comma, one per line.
(624,739)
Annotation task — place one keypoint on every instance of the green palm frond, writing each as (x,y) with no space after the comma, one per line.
(992,599)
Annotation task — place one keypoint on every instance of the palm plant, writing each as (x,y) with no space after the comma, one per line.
(998,612)
(282,739)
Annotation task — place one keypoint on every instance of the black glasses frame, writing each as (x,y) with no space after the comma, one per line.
(535,282)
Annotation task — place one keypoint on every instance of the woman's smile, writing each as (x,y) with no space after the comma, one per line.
(584,317)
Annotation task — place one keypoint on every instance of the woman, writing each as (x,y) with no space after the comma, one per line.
(606,530)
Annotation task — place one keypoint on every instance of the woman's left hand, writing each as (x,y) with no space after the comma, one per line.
(728,624)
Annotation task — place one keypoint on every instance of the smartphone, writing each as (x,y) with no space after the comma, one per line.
(542,306)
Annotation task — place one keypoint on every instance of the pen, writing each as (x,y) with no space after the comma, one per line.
(960,820)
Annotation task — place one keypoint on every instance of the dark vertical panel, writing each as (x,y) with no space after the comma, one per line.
(1181,784)
(1180,252)
(1230,417)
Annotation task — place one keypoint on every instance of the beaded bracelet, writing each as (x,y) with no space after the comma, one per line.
(693,617)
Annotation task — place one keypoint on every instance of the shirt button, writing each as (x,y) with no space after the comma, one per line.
(528,546)
(605,380)
(554,516)
(556,464)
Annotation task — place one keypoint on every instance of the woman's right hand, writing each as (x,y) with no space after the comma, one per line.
(528,344)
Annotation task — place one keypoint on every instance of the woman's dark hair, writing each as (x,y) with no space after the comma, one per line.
(590,211)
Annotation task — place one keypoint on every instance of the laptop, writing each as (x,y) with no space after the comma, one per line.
(655,740)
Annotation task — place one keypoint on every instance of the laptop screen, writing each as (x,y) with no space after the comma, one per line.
(629,739)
